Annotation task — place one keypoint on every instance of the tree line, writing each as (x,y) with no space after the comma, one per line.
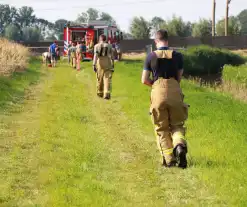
(141,28)
(20,24)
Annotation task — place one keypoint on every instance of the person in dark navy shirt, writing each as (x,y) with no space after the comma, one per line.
(176,65)
(167,109)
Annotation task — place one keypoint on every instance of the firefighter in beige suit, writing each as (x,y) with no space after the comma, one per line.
(103,65)
(168,111)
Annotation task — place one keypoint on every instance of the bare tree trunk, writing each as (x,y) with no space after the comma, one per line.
(226,20)
(213,18)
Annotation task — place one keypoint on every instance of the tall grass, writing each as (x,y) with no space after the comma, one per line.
(13,57)
(235,81)
(236,75)
(232,82)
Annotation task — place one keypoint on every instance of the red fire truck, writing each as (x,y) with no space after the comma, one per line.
(89,33)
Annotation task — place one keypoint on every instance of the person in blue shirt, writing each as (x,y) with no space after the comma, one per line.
(83,47)
(53,53)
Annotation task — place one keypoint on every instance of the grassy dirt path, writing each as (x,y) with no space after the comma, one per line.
(69,148)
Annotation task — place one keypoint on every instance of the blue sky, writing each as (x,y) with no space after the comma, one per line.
(124,10)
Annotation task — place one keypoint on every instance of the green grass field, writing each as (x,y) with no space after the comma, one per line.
(12,89)
(66,147)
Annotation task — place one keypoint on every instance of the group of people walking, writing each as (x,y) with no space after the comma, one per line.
(103,62)
(163,70)
(76,53)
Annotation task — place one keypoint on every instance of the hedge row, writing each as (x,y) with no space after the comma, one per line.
(206,60)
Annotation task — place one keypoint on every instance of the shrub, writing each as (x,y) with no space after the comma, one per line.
(13,57)
(204,60)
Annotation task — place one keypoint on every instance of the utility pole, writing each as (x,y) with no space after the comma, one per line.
(213,18)
(227,14)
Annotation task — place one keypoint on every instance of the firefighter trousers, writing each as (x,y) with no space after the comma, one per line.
(73,60)
(78,60)
(104,82)
(168,112)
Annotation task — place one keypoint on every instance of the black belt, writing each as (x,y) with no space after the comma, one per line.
(166,78)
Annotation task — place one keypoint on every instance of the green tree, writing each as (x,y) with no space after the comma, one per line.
(50,37)
(140,28)
(188,29)
(7,16)
(107,17)
(157,23)
(59,28)
(177,27)
(82,18)
(25,17)
(234,26)
(93,14)
(203,28)
(31,34)
(59,25)
(60,36)
(90,14)
(44,26)
(12,32)
(243,21)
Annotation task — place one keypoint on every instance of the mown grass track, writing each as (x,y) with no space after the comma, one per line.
(69,148)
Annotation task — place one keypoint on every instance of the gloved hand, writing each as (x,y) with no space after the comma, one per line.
(94,68)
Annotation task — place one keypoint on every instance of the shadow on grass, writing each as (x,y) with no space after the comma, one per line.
(13,88)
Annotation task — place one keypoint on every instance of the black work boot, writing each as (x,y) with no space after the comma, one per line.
(171,164)
(100,95)
(107,96)
(180,153)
